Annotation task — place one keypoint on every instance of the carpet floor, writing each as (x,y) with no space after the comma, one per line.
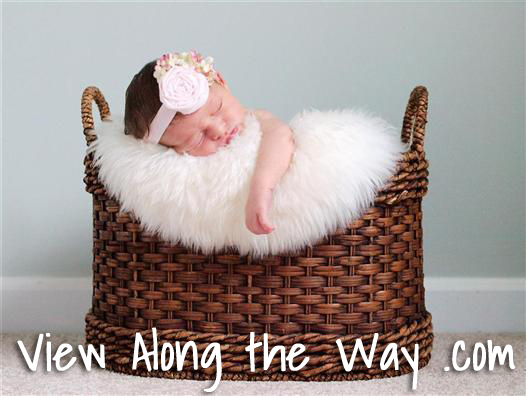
(18,379)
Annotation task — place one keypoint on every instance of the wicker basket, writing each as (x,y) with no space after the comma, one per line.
(361,280)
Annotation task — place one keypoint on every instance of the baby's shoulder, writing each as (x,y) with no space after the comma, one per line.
(268,121)
(263,114)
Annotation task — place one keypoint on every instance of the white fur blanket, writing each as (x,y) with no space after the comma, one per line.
(341,159)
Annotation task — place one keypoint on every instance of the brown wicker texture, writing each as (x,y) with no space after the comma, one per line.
(366,278)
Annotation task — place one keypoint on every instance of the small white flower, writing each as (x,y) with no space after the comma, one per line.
(159,73)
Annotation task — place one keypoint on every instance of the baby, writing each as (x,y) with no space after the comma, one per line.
(180,101)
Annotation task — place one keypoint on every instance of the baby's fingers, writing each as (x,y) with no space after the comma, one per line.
(253,225)
(264,223)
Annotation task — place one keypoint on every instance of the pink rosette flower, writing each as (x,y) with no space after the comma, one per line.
(183,89)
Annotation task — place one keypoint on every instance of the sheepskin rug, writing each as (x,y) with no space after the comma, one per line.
(342,158)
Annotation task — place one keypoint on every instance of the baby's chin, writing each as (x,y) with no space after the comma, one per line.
(208,152)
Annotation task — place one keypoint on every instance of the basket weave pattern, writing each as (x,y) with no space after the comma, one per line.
(366,278)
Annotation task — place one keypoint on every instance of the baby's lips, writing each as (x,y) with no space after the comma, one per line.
(232,134)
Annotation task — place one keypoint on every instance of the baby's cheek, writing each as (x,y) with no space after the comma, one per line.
(208,148)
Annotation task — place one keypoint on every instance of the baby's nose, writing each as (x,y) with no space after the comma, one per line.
(218,132)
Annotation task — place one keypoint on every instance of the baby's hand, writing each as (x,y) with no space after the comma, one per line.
(256,211)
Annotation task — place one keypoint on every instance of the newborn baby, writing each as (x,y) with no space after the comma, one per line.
(191,110)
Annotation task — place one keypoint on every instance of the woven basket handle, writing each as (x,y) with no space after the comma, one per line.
(415,119)
(88,96)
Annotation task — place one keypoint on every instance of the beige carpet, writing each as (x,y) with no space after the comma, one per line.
(18,379)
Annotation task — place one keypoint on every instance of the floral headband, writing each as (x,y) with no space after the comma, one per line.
(184,80)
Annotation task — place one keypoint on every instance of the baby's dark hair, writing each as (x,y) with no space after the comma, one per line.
(142,102)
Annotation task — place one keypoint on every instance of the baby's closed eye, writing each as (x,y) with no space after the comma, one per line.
(199,138)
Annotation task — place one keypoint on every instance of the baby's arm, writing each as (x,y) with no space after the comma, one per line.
(274,156)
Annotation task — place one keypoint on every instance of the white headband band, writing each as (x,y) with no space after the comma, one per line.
(159,124)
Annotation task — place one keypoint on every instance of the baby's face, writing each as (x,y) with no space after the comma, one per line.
(206,130)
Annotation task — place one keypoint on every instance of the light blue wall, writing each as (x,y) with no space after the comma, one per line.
(283,58)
